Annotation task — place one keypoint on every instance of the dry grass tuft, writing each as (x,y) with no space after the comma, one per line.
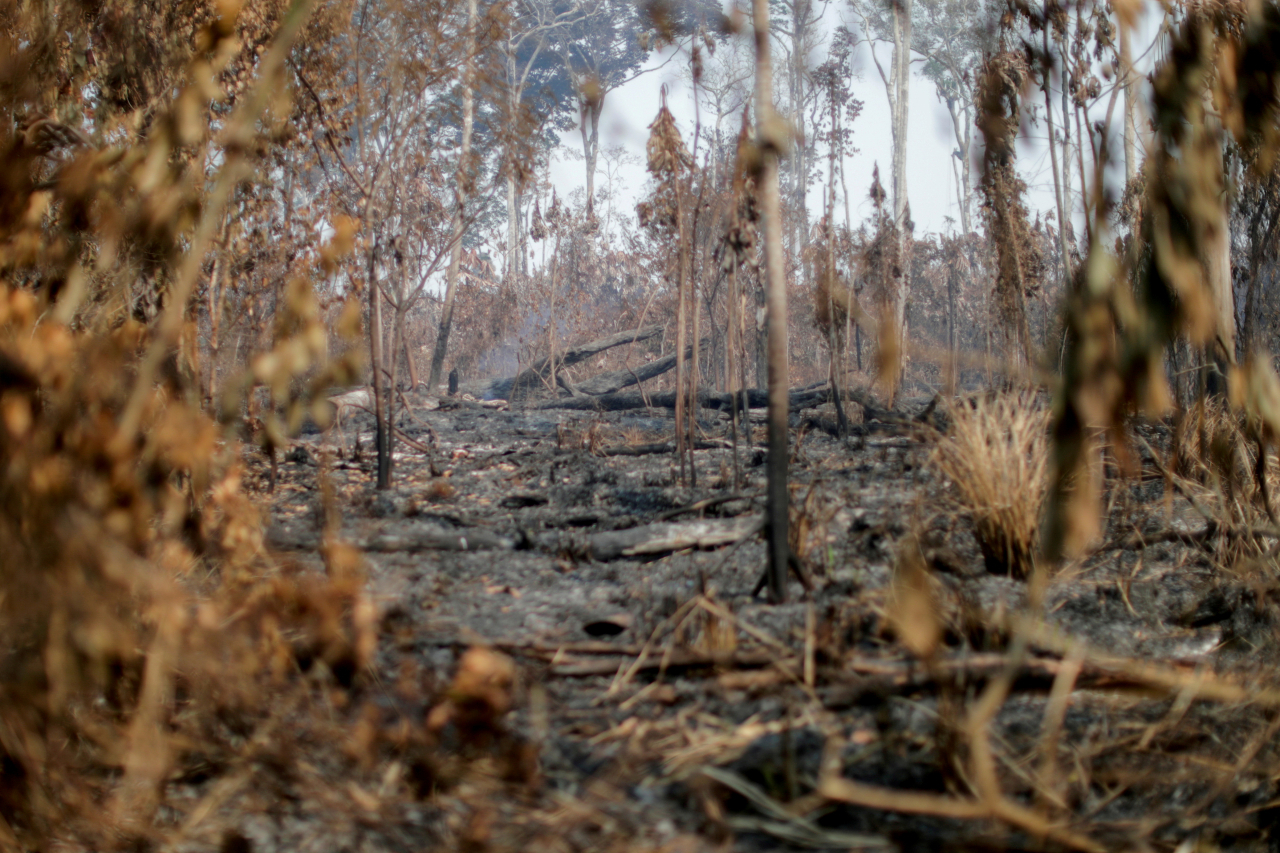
(1215,448)
(439,489)
(996,457)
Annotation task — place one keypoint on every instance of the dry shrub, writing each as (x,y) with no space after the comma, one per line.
(147,636)
(1216,450)
(1210,445)
(996,456)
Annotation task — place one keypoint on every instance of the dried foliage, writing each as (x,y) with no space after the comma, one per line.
(996,456)
(1221,57)
(148,635)
(1019,263)
(886,271)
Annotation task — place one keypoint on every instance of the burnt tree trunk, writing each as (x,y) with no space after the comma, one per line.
(769,136)
(382,431)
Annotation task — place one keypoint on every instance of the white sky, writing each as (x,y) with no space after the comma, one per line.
(931,187)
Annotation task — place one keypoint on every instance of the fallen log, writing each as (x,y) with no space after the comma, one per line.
(665,537)
(679,659)
(438,540)
(876,416)
(719,400)
(661,447)
(281,538)
(616,380)
(533,377)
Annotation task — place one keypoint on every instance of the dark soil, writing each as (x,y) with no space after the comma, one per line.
(660,705)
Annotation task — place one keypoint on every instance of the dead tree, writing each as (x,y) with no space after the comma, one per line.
(773,137)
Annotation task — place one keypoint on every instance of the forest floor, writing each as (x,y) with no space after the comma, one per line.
(658,705)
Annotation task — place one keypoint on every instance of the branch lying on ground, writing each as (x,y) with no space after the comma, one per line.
(720,400)
(608,383)
(661,447)
(708,503)
(422,539)
(649,540)
(664,537)
(527,380)
(782,823)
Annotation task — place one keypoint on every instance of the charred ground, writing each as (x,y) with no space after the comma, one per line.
(655,703)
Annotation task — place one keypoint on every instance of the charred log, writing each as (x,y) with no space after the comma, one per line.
(538,375)
(607,383)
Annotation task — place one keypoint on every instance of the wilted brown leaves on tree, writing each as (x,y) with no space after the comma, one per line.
(1019,264)
(1221,57)
(885,266)
(137,599)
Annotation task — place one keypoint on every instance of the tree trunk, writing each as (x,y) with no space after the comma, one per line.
(1260,245)
(961,127)
(733,355)
(513,204)
(1059,195)
(800,163)
(1130,105)
(682,369)
(533,377)
(462,191)
(1065,157)
(776,306)
(513,229)
(215,315)
(382,431)
(900,86)
(393,369)
(591,145)
(952,378)
(695,365)
(1216,257)
(835,330)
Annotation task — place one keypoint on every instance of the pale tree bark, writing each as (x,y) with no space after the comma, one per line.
(799,26)
(1130,109)
(1059,194)
(463,188)
(590,128)
(900,89)
(513,213)
(800,161)
(897,89)
(962,127)
(771,136)
(513,228)
(1215,247)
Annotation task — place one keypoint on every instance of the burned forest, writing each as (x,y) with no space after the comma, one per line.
(650,427)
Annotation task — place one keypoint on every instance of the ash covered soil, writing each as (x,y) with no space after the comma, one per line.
(657,704)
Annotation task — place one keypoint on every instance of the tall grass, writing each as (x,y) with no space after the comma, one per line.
(995,456)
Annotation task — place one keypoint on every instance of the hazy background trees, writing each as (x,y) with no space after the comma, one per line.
(428,135)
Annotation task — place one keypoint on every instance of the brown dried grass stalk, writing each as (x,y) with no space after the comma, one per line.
(1216,453)
(996,457)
